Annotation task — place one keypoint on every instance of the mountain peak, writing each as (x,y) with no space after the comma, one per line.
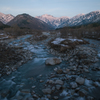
(5,18)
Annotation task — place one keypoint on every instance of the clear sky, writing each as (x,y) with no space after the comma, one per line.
(56,8)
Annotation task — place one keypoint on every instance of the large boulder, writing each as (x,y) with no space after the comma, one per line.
(53,61)
(80,80)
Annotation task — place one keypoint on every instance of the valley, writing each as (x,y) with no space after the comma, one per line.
(50,58)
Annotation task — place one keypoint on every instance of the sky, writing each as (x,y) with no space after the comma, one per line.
(57,8)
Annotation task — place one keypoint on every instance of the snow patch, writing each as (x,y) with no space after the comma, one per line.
(73,40)
(58,40)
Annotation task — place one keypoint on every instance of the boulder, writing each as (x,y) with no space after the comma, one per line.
(53,61)
(47,91)
(80,80)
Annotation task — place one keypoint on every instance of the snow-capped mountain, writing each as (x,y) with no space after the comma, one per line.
(82,19)
(5,18)
(53,21)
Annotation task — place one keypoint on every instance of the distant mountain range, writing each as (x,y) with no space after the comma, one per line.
(27,21)
(49,22)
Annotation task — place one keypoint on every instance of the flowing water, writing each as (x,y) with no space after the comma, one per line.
(33,71)
(28,74)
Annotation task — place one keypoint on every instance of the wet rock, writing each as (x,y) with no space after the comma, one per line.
(5,92)
(53,61)
(25,91)
(49,96)
(96,84)
(41,81)
(33,87)
(35,96)
(73,85)
(59,82)
(83,92)
(50,81)
(53,88)
(59,71)
(90,98)
(58,87)
(47,91)
(55,97)
(80,80)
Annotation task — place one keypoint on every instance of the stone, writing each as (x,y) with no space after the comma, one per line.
(55,97)
(53,88)
(33,87)
(50,81)
(58,87)
(41,81)
(90,98)
(47,91)
(49,96)
(59,82)
(83,92)
(59,71)
(53,61)
(73,85)
(80,80)
(35,96)
(25,91)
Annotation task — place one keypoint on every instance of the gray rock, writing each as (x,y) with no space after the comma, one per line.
(58,87)
(73,85)
(83,92)
(47,91)
(55,97)
(59,82)
(25,91)
(53,61)
(80,80)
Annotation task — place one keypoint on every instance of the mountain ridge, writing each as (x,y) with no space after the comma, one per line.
(58,22)
(27,21)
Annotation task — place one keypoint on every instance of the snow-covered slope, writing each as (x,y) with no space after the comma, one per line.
(82,19)
(53,21)
(5,18)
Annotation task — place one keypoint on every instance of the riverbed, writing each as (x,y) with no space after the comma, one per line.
(32,75)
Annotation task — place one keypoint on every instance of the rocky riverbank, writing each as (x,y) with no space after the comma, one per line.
(74,74)
(11,57)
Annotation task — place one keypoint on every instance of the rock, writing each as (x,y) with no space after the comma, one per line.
(55,97)
(49,96)
(35,96)
(83,92)
(25,91)
(59,82)
(41,81)
(53,88)
(50,81)
(96,84)
(90,98)
(33,87)
(80,80)
(59,71)
(58,87)
(47,91)
(5,92)
(73,85)
(53,61)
